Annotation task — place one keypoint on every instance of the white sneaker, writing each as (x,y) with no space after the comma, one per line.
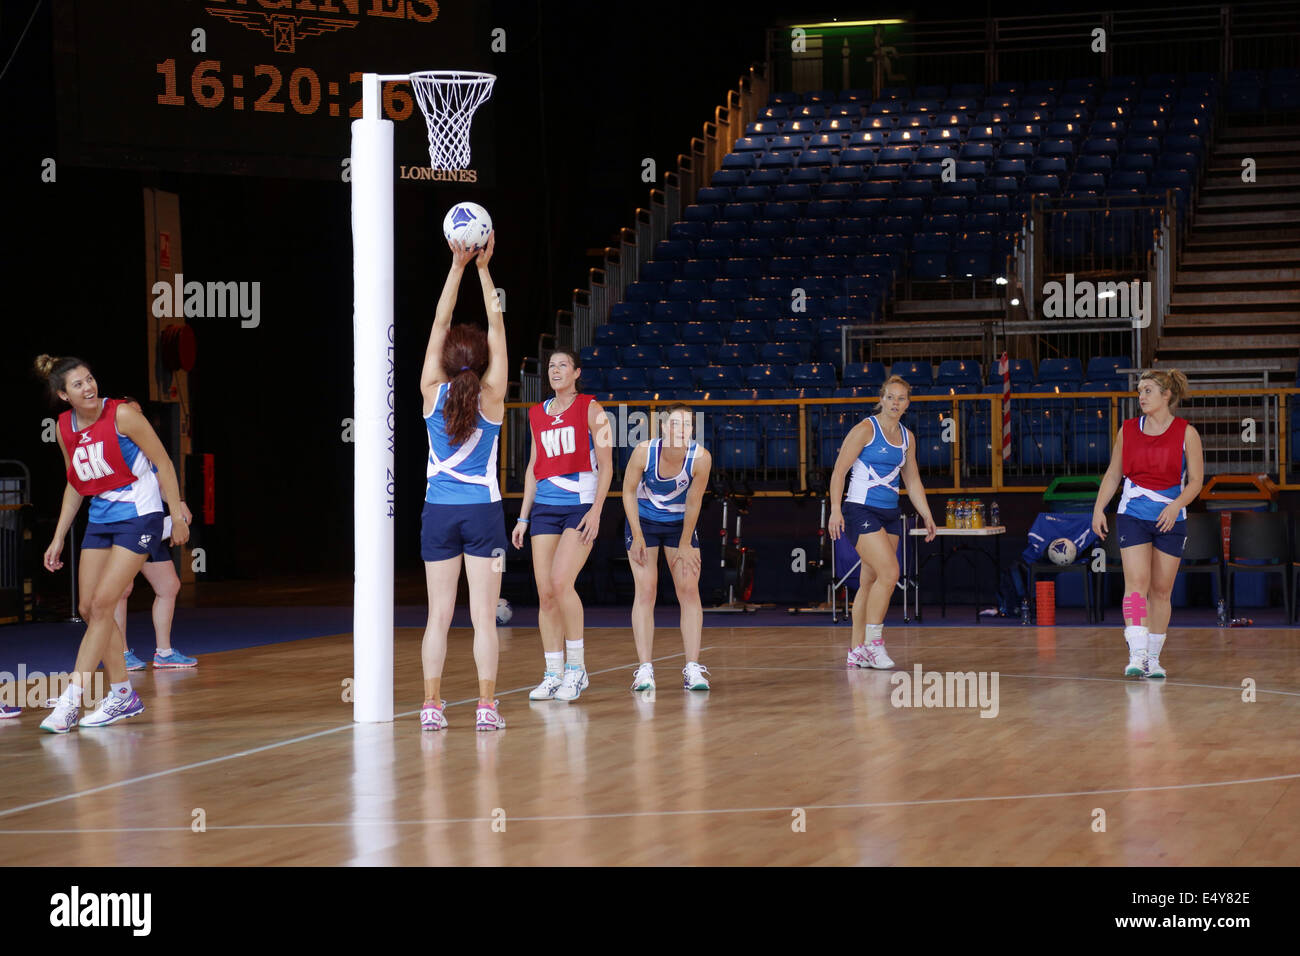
(65,717)
(487,718)
(1153,668)
(574,683)
(644,679)
(1137,664)
(693,677)
(876,656)
(547,688)
(858,657)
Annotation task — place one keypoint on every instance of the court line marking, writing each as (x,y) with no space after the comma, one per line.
(1164,682)
(942,801)
(265,747)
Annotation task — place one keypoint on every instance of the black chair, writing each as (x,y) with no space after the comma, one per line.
(1051,569)
(1258,536)
(1203,553)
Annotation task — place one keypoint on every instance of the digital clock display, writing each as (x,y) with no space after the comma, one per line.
(261,87)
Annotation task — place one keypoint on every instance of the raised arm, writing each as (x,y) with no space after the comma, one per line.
(431,376)
(137,428)
(495,380)
(856,440)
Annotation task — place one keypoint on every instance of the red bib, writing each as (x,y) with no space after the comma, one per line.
(96,462)
(1154,461)
(562,441)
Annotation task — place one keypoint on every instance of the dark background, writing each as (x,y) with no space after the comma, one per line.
(585,93)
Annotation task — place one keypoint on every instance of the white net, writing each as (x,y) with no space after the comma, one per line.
(448,99)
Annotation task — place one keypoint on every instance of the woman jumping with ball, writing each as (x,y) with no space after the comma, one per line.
(464,388)
(569,471)
(1158,456)
(110,453)
(876,452)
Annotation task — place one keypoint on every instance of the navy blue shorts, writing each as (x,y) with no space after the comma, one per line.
(1134,531)
(135,534)
(448,531)
(659,534)
(555,519)
(864,519)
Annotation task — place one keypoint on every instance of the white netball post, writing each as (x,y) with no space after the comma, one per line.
(448,100)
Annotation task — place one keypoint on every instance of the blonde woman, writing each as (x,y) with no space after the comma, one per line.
(875,454)
(1158,455)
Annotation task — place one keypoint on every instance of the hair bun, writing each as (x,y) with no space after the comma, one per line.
(45,364)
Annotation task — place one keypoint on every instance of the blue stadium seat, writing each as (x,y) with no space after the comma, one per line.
(768,376)
(915,373)
(783,353)
(718,376)
(736,353)
(614,334)
(868,374)
(958,371)
(700,333)
(626,379)
(674,380)
(747,330)
(1052,371)
(686,356)
(814,375)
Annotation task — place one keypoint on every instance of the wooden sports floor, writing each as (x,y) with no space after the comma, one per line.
(790,759)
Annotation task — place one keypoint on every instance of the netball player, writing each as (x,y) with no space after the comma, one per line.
(160,572)
(110,453)
(663,488)
(1158,456)
(876,452)
(570,466)
(464,388)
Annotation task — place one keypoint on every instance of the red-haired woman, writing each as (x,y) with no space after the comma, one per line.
(569,470)
(110,453)
(464,389)
(1158,456)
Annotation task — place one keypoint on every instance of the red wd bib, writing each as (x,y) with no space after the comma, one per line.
(562,441)
(96,458)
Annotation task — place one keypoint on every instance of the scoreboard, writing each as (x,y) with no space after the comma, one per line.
(259,87)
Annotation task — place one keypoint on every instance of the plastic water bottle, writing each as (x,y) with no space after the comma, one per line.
(1223,613)
(995,516)
(1024,610)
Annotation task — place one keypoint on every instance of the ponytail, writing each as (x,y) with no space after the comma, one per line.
(55,371)
(464,360)
(1170,380)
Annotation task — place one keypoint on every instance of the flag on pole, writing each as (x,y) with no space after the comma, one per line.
(1004,367)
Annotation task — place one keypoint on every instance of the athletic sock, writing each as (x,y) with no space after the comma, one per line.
(873,634)
(73,693)
(1136,636)
(123,689)
(167,653)
(554,661)
(1154,643)
(573,653)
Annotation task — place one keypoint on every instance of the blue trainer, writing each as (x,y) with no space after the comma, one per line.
(174,659)
(8,711)
(133,663)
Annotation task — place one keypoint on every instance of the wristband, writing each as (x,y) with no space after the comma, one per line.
(521,521)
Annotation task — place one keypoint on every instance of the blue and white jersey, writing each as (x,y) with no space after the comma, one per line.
(571,490)
(141,497)
(466,473)
(874,477)
(660,498)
